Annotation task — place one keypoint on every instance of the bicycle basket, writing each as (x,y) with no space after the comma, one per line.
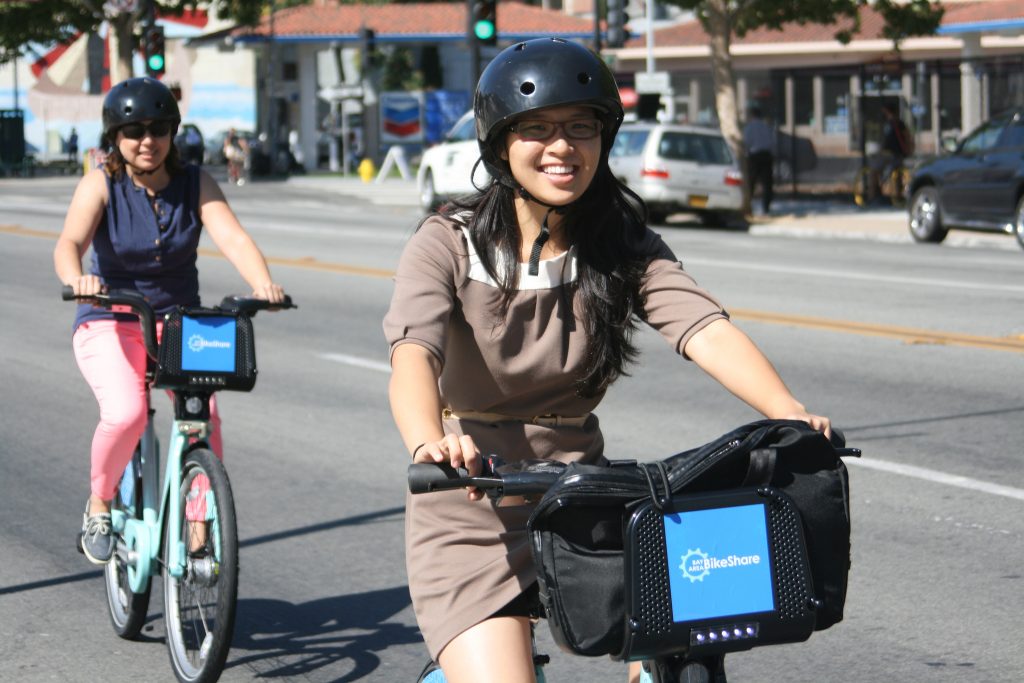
(599,544)
(206,350)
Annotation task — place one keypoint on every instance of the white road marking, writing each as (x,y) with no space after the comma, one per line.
(357,361)
(937,477)
(924,473)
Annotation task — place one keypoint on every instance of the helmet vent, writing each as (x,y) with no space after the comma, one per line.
(527,88)
(583,77)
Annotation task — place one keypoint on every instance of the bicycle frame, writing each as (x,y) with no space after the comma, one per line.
(143,537)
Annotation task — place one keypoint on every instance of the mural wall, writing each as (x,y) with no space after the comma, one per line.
(51,84)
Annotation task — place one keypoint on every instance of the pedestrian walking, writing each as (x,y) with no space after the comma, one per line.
(759,140)
(73,147)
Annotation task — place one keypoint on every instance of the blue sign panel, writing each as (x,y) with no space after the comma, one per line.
(718,562)
(208,343)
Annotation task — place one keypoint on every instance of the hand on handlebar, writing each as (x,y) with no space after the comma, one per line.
(271,291)
(457,451)
(87,285)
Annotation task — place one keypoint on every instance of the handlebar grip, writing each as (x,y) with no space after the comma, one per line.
(426,477)
(67,293)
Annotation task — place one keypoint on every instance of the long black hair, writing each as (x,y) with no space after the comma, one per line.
(605,224)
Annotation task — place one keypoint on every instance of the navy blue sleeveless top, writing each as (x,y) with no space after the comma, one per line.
(151,251)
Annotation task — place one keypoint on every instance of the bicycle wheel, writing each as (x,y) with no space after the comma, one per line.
(127,609)
(863,187)
(199,607)
(898,180)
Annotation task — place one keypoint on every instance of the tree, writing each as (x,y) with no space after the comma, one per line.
(725,19)
(28,21)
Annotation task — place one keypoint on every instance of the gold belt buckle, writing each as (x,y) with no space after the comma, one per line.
(548,420)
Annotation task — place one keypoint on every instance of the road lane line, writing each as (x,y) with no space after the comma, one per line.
(905,334)
(356,361)
(937,477)
(867,277)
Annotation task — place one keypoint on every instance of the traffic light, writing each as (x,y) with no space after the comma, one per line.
(616,18)
(368,40)
(483,22)
(153,50)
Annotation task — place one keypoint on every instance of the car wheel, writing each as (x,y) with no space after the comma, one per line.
(1018,225)
(926,216)
(428,195)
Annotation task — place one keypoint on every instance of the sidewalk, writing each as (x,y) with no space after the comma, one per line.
(833,216)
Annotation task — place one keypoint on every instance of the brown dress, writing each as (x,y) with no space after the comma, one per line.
(466,559)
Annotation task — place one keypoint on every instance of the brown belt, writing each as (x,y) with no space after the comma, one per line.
(545,420)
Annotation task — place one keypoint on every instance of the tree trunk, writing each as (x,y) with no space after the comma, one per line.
(124,31)
(719,28)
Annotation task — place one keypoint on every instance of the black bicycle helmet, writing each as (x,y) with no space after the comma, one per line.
(138,99)
(536,74)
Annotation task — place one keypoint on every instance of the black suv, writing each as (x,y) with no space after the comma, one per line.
(979,185)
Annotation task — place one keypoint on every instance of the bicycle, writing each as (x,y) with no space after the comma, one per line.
(891,183)
(687,646)
(185,527)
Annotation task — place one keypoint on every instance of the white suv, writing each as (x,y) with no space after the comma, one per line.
(678,168)
(445,168)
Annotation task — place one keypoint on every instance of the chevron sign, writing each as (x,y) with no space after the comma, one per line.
(401,117)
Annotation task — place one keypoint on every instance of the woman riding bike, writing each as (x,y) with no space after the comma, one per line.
(143,213)
(513,312)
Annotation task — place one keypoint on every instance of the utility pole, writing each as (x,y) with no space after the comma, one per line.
(271,95)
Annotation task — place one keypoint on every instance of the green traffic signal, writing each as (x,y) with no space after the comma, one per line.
(155,63)
(483,29)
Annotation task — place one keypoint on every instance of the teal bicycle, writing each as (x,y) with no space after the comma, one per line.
(184,528)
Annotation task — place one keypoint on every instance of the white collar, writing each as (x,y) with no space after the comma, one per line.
(552,273)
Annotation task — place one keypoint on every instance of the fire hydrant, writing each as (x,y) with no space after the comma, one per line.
(367,170)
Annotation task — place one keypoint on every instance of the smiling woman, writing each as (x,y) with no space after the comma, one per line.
(513,312)
(142,213)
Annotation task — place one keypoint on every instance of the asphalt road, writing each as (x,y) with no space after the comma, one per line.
(915,351)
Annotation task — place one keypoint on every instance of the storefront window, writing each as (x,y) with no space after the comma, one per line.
(949,101)
(1006,85)
(836,95)
(803,99)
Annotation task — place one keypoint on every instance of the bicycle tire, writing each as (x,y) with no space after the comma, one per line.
(863,192)
(127,609)
(199,607)
(898,181)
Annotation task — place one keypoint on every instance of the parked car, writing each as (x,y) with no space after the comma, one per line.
(979,185)
(189,142)
(446,169)
(679,168)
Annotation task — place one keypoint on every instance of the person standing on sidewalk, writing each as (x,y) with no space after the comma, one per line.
(759,140)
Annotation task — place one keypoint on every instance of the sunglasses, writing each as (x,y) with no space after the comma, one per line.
(576,129)
(137,131)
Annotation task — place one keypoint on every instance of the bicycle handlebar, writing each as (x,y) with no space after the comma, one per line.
(131,301)
(497,479)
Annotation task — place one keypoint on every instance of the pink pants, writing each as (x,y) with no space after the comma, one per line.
(112,358)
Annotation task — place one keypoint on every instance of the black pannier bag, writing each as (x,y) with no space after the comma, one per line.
(577,530)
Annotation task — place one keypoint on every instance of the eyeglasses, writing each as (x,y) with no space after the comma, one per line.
(136,131)
(576,129)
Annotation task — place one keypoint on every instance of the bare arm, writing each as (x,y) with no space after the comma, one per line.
(233,241)
(729,356)
(416,407)
(84,215)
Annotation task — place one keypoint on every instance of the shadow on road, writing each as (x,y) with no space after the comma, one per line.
(280,639)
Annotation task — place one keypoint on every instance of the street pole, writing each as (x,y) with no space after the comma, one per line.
(271,98)
(597,26)
(650,35)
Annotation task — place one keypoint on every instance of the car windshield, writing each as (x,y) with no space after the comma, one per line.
(704,149)
(629,143)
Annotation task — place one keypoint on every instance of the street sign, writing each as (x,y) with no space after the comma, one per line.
(652,82)
(341,92)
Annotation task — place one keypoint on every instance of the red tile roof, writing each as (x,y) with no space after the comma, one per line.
(691,33)
(329,18)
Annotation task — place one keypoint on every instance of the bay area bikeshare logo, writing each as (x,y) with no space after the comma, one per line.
(697,564)
(198,342)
